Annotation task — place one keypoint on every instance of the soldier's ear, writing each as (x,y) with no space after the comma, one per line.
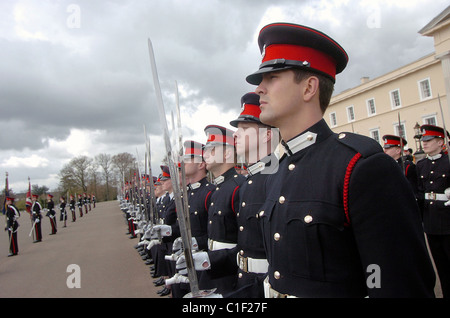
(310,88)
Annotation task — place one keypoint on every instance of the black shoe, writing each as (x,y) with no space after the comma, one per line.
(154,275)
(159,282)
(165,292)
(161,290)
(12,254)
(149,262)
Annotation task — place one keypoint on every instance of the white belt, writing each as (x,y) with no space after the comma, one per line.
(269,292)
(436,196)
(252,265)
(215,245)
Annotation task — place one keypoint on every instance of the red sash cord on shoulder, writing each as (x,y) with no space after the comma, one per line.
(348,173)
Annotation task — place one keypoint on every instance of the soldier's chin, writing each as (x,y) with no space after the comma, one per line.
(265,119)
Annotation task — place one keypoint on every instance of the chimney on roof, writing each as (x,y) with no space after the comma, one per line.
(365,79)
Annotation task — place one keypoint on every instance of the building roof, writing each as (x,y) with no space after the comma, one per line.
(439,21)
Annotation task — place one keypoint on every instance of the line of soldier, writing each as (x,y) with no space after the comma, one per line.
(322,215)
(12,216)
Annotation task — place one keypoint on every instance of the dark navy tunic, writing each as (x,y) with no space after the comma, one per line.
(337,208)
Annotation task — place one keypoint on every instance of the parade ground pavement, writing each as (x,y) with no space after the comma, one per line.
(92,257)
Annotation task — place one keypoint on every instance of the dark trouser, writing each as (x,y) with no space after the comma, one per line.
(440,250)
(13,246)
(53,223)
(38,230)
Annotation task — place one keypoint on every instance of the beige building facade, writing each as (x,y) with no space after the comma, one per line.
(403,99)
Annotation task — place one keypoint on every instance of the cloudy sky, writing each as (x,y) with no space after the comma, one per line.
(75,76)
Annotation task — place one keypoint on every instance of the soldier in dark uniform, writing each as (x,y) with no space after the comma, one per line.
(36,217)
(12,215)
(199,191)
(340,219)
(169,230)
(51,213)
(72,208)
(62,210)
(393,147)
(434,187)
(255,142)
(85,203)
(80,205)
(162,199)
(220,158)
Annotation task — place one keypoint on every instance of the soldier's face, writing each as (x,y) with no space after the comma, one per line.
(158,190)
(279,96)
(166,185)
(393,152)
(433,147)
(191,166)
(211,157)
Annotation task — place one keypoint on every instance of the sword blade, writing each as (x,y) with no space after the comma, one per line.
(443,123)
(187,241)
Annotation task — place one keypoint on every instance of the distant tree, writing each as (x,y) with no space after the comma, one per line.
(76,173)
(105,162)
(39,190)
(124,163)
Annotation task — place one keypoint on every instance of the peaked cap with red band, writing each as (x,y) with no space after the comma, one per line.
(430,131)
(287,45)
(193,149)
(218,135)
(9,198)
(250,109)
(165,173)
(393,141)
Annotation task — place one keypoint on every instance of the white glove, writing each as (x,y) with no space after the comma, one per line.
(143,242)
(447,194)
(176,279)
(166,230)
(152,243)
(201,261)
(178,244)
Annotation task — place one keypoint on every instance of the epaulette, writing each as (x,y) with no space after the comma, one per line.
(364,145)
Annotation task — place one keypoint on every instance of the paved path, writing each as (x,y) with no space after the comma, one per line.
(109,265)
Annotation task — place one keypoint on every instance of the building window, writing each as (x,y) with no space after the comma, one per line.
(375,134)
(350,114)
(425,89)
(400,130)
(371,110)
(395,98)
(333,120)
(430,120)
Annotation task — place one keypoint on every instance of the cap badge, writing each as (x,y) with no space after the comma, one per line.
(263,53)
